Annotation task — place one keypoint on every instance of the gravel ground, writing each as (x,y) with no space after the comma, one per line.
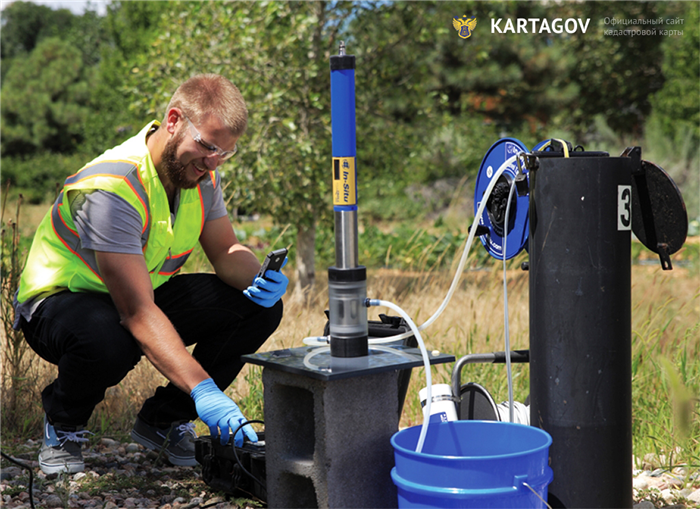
(117,475)
(125,475)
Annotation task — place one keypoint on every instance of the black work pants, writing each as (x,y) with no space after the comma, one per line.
(81,333)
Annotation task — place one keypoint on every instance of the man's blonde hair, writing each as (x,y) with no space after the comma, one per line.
(211,94)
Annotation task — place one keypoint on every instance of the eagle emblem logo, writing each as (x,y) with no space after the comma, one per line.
(464,26)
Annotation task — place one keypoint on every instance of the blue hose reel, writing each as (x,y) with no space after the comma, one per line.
(493,218)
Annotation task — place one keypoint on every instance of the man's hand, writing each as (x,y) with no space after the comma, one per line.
(268,290)
(219,412)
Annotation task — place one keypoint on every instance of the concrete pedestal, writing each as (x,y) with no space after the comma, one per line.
(328,442)
(329,423)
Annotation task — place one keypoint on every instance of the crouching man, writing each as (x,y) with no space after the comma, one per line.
(100,289)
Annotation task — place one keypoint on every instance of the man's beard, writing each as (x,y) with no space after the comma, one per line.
(174,170)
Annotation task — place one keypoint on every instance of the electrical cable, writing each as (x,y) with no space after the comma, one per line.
(426,364)
(312,341)
(31,475)
(235,454)
(511,403)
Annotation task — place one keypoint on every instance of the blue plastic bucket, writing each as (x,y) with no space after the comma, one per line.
(472,464)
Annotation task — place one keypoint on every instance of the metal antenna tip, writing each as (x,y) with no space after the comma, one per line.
(341,50)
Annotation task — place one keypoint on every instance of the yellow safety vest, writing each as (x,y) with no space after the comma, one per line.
(56,260)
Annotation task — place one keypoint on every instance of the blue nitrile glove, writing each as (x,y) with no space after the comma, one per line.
(268,290)
(219,412)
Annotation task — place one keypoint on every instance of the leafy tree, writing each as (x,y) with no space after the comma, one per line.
(490,74)
(674,125)
(128,30)
(511,82)
(45,100)
(25,24)
(277,54)
(678,102)
(615,76)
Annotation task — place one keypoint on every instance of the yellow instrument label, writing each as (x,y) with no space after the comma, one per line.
(344,187)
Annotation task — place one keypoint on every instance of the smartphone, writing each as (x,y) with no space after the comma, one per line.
(273,261)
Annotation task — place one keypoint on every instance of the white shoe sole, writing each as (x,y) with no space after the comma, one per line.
(68,468)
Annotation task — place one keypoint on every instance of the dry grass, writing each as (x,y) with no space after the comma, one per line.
(666,324)
(472,323)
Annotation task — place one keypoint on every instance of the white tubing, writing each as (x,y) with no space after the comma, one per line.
(505,308)
(314,353)
(317,341)
(426,363)
(326,340)
(325,349)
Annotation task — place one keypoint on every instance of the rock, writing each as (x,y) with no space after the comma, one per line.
(694,497)
(645,504)
(674,482)
(109,443)
(195,502)
(11,472)
(111,505)
(685,492)
(667,495)
(81,475)
(681,471)
(53,501)
(132,448)
(652,461)
(167,499)
(640,483)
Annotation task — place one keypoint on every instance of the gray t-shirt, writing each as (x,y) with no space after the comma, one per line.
(94,215)
(106,222)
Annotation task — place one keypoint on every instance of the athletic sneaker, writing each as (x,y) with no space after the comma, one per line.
(60,451)
(177,441)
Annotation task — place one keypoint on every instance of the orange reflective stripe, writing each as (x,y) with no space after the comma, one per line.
(206,194)
(126,170)
(174,263)
(142,199)
(71,240)
(204,212)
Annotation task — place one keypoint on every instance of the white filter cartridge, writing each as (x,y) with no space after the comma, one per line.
(443,407)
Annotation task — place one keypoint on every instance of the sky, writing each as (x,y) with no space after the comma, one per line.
(75,6)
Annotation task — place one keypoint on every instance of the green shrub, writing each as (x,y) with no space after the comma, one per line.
(38,177)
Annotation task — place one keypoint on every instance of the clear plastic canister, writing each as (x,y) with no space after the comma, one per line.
(347,292)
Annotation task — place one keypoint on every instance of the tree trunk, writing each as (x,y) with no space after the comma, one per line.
(305,271)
